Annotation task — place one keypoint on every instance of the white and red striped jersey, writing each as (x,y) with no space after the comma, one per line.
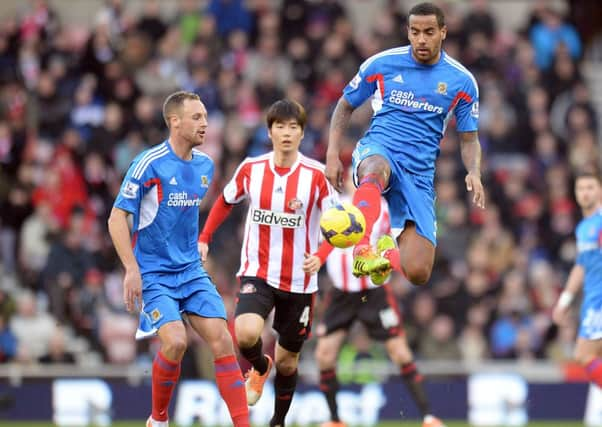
(339,263)
(283,221)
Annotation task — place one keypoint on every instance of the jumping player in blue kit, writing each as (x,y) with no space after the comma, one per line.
(162,191)
(415,90)
(587,274)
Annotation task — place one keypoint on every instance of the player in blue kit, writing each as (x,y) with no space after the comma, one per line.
(587,274)
(415,91)
(162,191)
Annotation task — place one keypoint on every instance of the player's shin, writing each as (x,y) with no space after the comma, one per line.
(329,385)
(231,384)
(284,388)
(164,378)
(367,199)
(255,356)
(414,382)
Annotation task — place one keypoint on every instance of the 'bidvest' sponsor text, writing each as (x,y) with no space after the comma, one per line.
(278,219)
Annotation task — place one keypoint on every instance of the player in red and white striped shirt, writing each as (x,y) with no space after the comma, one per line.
(286,192)
(357,298)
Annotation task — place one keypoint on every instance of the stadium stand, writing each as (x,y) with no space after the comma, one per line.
(80,96)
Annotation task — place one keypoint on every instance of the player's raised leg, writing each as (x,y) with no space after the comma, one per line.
(373,175)
(248,328)
(402,356)
(228,376)
(327,351)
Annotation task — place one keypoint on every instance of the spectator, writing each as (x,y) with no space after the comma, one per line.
(57,349)
(551,32)
(32,328)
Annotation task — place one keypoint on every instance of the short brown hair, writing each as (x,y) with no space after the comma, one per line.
(286,109)
(425,9)
(175,101)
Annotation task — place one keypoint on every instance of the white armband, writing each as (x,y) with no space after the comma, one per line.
(566,298)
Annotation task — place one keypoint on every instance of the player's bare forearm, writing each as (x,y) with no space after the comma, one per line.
(573,284)
(471,156)
(471,152)
(119,231)
(338,124)
(575,280)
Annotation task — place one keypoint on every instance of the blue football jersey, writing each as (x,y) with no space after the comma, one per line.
(589,255)
(163,194)
(413,104)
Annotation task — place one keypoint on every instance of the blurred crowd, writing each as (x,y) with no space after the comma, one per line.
(77,103)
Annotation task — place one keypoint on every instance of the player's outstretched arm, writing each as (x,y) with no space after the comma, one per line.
(471,157)
(338,124)
(573,286)
(120,235)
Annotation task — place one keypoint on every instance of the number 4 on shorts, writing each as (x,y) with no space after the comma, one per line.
(304,319)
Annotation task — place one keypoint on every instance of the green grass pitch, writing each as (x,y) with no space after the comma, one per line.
(387,424)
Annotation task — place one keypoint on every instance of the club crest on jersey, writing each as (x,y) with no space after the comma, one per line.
(442,88)
(204,181)
(294,204)
(248,288)
(156,315)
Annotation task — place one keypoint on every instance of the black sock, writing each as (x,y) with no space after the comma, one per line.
(255,356)
(329,384)
(284,388)
(413,381)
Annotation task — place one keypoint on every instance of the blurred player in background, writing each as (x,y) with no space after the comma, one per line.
(286,192)
(415,91)
(162,191)
(356,298)
(587,274)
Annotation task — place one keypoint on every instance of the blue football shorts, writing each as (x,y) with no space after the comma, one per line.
(165,298)
(410,197)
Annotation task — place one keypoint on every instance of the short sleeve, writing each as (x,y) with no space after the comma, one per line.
(327,195)
(237,189)
(132,188)
(467,110)
(363,85)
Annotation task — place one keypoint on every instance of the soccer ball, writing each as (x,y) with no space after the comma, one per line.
(343,225)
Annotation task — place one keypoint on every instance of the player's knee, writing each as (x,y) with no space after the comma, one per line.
(174,346)
(246,336)
(286,366)
(418,274)
(221,344)
(325,357)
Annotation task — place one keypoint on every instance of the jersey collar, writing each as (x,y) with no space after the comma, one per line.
(292,168)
